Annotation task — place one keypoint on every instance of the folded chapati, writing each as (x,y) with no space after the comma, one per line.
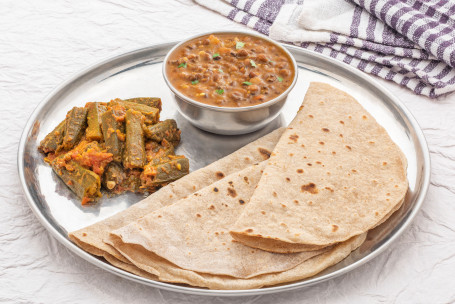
(334,174)
(91,238)
(168,272)
(188,242)
(193,233)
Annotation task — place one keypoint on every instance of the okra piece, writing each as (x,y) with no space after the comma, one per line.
(76,122)
(114,134)
(165,172)
(163,130)
(154,102)
(134,155)
(152,115)
(94,112)
(133,181)
(113,176)
(83,182)
(156,151)
(52,141)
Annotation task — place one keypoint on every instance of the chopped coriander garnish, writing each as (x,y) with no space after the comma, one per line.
(253,64)
(247,83)
(220,70)
(182,65)
(239,45)
(216,55)
(220,91)
(279,79)
(195,81)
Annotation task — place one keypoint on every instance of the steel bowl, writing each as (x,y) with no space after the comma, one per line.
(229,120)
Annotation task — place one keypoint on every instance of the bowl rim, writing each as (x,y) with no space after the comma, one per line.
(231,109)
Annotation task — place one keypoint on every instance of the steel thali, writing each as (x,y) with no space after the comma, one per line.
(138,73)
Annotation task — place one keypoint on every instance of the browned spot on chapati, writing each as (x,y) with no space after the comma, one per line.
(219,174)
(296,202)
(330,189)
(215,189)
(333,152)
(249,230)
(348,147)
(309,164)
(283,205)
(212,207)
(288,179)
(310,116)
(334,228)
(364,117)
(384,163)
(354,171)
(291,154)
(325,130)
(263,212)
(311,188)
(84,234)
(246,179)
(231,183)
(318,162)
(299,170)
(294,137)
(198,215)
(232,192)
(264,152)
(341,122)
(341,135)
(241,201)
(274,194)
(159,216)
(302,145)
(376,213)
(322,143)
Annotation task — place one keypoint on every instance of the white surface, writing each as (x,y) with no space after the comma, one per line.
(44,42)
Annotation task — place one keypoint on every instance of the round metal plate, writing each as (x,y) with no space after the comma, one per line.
(138,73)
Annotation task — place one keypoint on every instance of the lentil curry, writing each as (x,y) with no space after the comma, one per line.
(230,70)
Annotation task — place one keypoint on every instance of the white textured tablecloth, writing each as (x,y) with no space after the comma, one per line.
(44,42)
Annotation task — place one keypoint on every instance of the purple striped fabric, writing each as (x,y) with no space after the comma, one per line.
(410,42)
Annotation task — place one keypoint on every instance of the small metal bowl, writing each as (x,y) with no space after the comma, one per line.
(229,120)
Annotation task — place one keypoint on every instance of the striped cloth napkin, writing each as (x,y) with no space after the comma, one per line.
(410,42)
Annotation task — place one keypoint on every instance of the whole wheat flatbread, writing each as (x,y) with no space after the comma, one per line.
(334,174)
(193,233)
(91,238)
(168,272)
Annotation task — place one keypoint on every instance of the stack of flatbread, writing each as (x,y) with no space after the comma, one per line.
(280,209)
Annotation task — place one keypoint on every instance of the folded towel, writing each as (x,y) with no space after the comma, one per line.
(410,42)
